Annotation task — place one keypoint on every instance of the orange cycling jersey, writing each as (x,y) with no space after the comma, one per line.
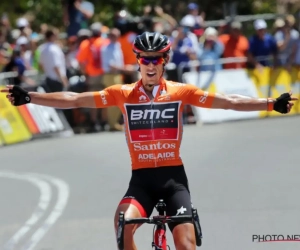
(153,127)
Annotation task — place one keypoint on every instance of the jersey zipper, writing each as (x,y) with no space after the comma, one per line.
(152,131)
(152,124)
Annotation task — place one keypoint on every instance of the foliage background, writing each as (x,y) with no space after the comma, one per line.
(50,11)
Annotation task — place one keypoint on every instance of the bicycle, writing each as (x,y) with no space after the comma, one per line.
(159,231)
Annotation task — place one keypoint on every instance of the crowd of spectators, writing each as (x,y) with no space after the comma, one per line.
(92,57)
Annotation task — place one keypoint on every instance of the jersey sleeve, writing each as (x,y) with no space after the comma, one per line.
(196,97)
(108,97)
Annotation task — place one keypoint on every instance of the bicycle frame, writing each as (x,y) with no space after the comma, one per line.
(159,235)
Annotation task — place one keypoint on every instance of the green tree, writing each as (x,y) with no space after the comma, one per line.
(51,11)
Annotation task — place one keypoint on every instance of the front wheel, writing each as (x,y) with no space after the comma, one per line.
(198,231)
(120,231)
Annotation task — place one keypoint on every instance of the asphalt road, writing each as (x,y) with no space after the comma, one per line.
(61,193)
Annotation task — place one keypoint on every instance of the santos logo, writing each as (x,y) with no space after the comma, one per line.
(139,147)
(136,115)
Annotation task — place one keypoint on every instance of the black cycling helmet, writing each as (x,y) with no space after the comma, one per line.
(151,42)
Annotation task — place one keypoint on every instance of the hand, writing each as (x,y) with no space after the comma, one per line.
(283,103)
(17,96)
(260,68)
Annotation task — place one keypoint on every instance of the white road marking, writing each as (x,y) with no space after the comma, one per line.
(44,201)
(45,198)
(63,196)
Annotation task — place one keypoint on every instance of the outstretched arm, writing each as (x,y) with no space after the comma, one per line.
(62,100)
(241,103)
(245,103)
(197,97)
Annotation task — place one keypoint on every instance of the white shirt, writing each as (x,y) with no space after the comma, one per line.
(111,55)
(71,60)
(52,56)
(27,58)
(285,54)
(191,20)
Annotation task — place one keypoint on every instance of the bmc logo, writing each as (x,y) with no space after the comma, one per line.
(143,118)
(137,115)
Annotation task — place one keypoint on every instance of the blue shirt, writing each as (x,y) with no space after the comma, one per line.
(180,53)
(285,54)
(263,48)
(76,19)
(210,54)
(111,55)
(18,65)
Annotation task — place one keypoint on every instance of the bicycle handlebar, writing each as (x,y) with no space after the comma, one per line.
(160,219)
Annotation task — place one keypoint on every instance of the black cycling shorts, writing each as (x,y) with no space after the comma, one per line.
(149,185)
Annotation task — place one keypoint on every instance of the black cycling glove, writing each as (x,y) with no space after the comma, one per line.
(281,103)
(20,96)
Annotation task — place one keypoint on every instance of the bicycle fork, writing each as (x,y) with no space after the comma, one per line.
(159,237)
(160,241)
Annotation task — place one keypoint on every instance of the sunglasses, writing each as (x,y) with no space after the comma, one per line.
(148,60)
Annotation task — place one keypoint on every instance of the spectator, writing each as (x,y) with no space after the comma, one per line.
(286,39)
(22,44)
(52,62)
(235,46)
(4,58)
(164,20)
(43,29)
(187,25)
(210,49)
(76,15)
(71,62)
(296,58)
(290,22)
(128,34)
(183,52)
(16,64)
(182,47)
(223,28)
(113,66)
(262,46)
(5,51)
(23,26)
(15,33)
(104,32)
(32,56)
(147,19)
(90,63)
(5,28)
(193,17)
(89,58)
(83,34)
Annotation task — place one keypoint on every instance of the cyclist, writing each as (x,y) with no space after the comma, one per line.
(152,109)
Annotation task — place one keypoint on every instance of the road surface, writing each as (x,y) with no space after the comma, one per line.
(61,193)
